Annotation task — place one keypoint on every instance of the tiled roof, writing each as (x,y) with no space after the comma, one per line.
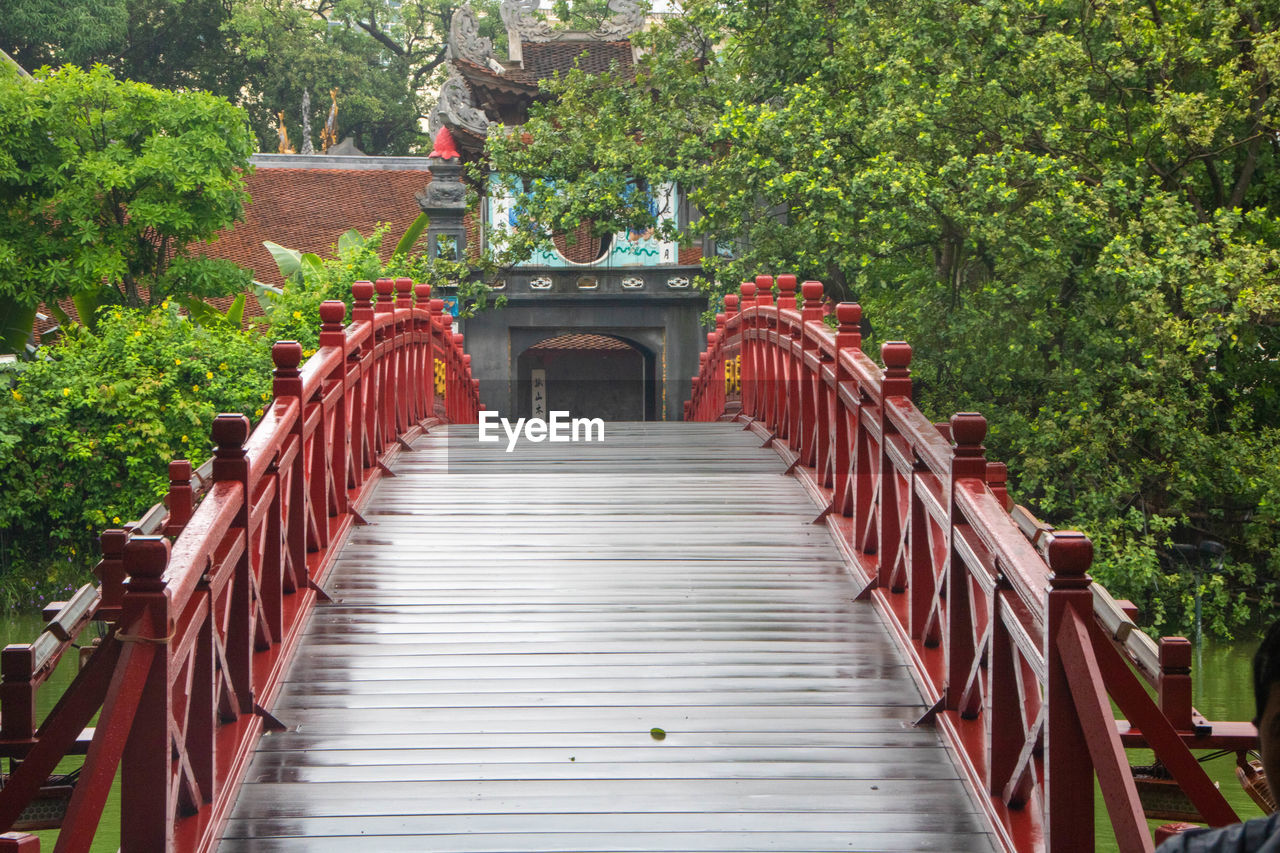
(307,209)
(592,342)
(543,59)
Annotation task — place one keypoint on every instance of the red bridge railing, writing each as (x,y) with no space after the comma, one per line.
(1017,651)
(205,604)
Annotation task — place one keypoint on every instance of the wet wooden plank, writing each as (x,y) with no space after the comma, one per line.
(509,629)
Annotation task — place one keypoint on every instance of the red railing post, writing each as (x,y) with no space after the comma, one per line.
(721,369)
(750,350)
(808,424)
(785,395)
(998,482)
(768,354)
(231,464)
(1174,687)
(733,364)
(423,365)
(968,462)
(451,389)
(364,436)
(386,363)
(896,386)
(146,776)
(181,499)
(110,574)
(332,334)
(19,842)
(286,385)
(1068,769)
(403,351)
(848,339)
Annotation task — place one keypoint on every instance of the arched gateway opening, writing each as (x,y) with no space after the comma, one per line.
(588,375)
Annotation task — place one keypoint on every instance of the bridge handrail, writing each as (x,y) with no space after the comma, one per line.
(219,582)
(1019,653)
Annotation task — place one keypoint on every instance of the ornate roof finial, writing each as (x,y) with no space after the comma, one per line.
(444,148)
(329,136)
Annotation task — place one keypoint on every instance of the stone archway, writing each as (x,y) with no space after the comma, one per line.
(588,375)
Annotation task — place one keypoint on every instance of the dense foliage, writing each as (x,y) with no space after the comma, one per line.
(293,314)
(104,183)
(88,428)
(1072,213)
(384,59)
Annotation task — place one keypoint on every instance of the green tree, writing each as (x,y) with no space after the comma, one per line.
(105,183)
(86,431)
(1073,217)
(384,59)
(167,43)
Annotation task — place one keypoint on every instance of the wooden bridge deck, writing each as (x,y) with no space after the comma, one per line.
(507,634)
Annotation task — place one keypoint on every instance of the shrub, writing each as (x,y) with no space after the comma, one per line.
(88,428)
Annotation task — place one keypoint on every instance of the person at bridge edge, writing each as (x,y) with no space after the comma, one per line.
(1260,835)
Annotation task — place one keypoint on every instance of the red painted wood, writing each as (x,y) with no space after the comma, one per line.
(205,623)
(922,518)
(1088,696)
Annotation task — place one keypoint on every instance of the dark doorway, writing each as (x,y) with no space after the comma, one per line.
(588,376)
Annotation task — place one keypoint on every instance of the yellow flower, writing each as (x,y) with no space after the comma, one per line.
(258,413)
(184,439)
(195,388)
(297,315)
(17,395)
(222,366)
(264,397)
(177,361)
(115,520)
(307,353)
(208,374)
(164,304)
(66,392)
(137,334)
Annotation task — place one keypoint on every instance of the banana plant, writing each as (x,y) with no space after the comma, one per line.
(204,314)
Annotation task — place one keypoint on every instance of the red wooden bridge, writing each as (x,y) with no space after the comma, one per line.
(362,626)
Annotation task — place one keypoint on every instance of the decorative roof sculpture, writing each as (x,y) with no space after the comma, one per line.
(455,107)
(465,41)
(482,90)
(444,147)
(519,17)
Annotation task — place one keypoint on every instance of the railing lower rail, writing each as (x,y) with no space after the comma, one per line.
(204,603)
(1017,651)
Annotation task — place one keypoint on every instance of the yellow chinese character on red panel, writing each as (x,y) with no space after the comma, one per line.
(733,375)
(439,374)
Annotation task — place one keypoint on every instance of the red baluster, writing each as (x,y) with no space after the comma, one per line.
(848,339)
(181,498)
(146,802)
(231,464)
(968,463)
(110,572)
(1175,681)
(750,352)
(896,383)
(1068,770)
(787,292)
(286,385)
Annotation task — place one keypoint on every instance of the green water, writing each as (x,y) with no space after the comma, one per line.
(1222,690)
(24,629)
